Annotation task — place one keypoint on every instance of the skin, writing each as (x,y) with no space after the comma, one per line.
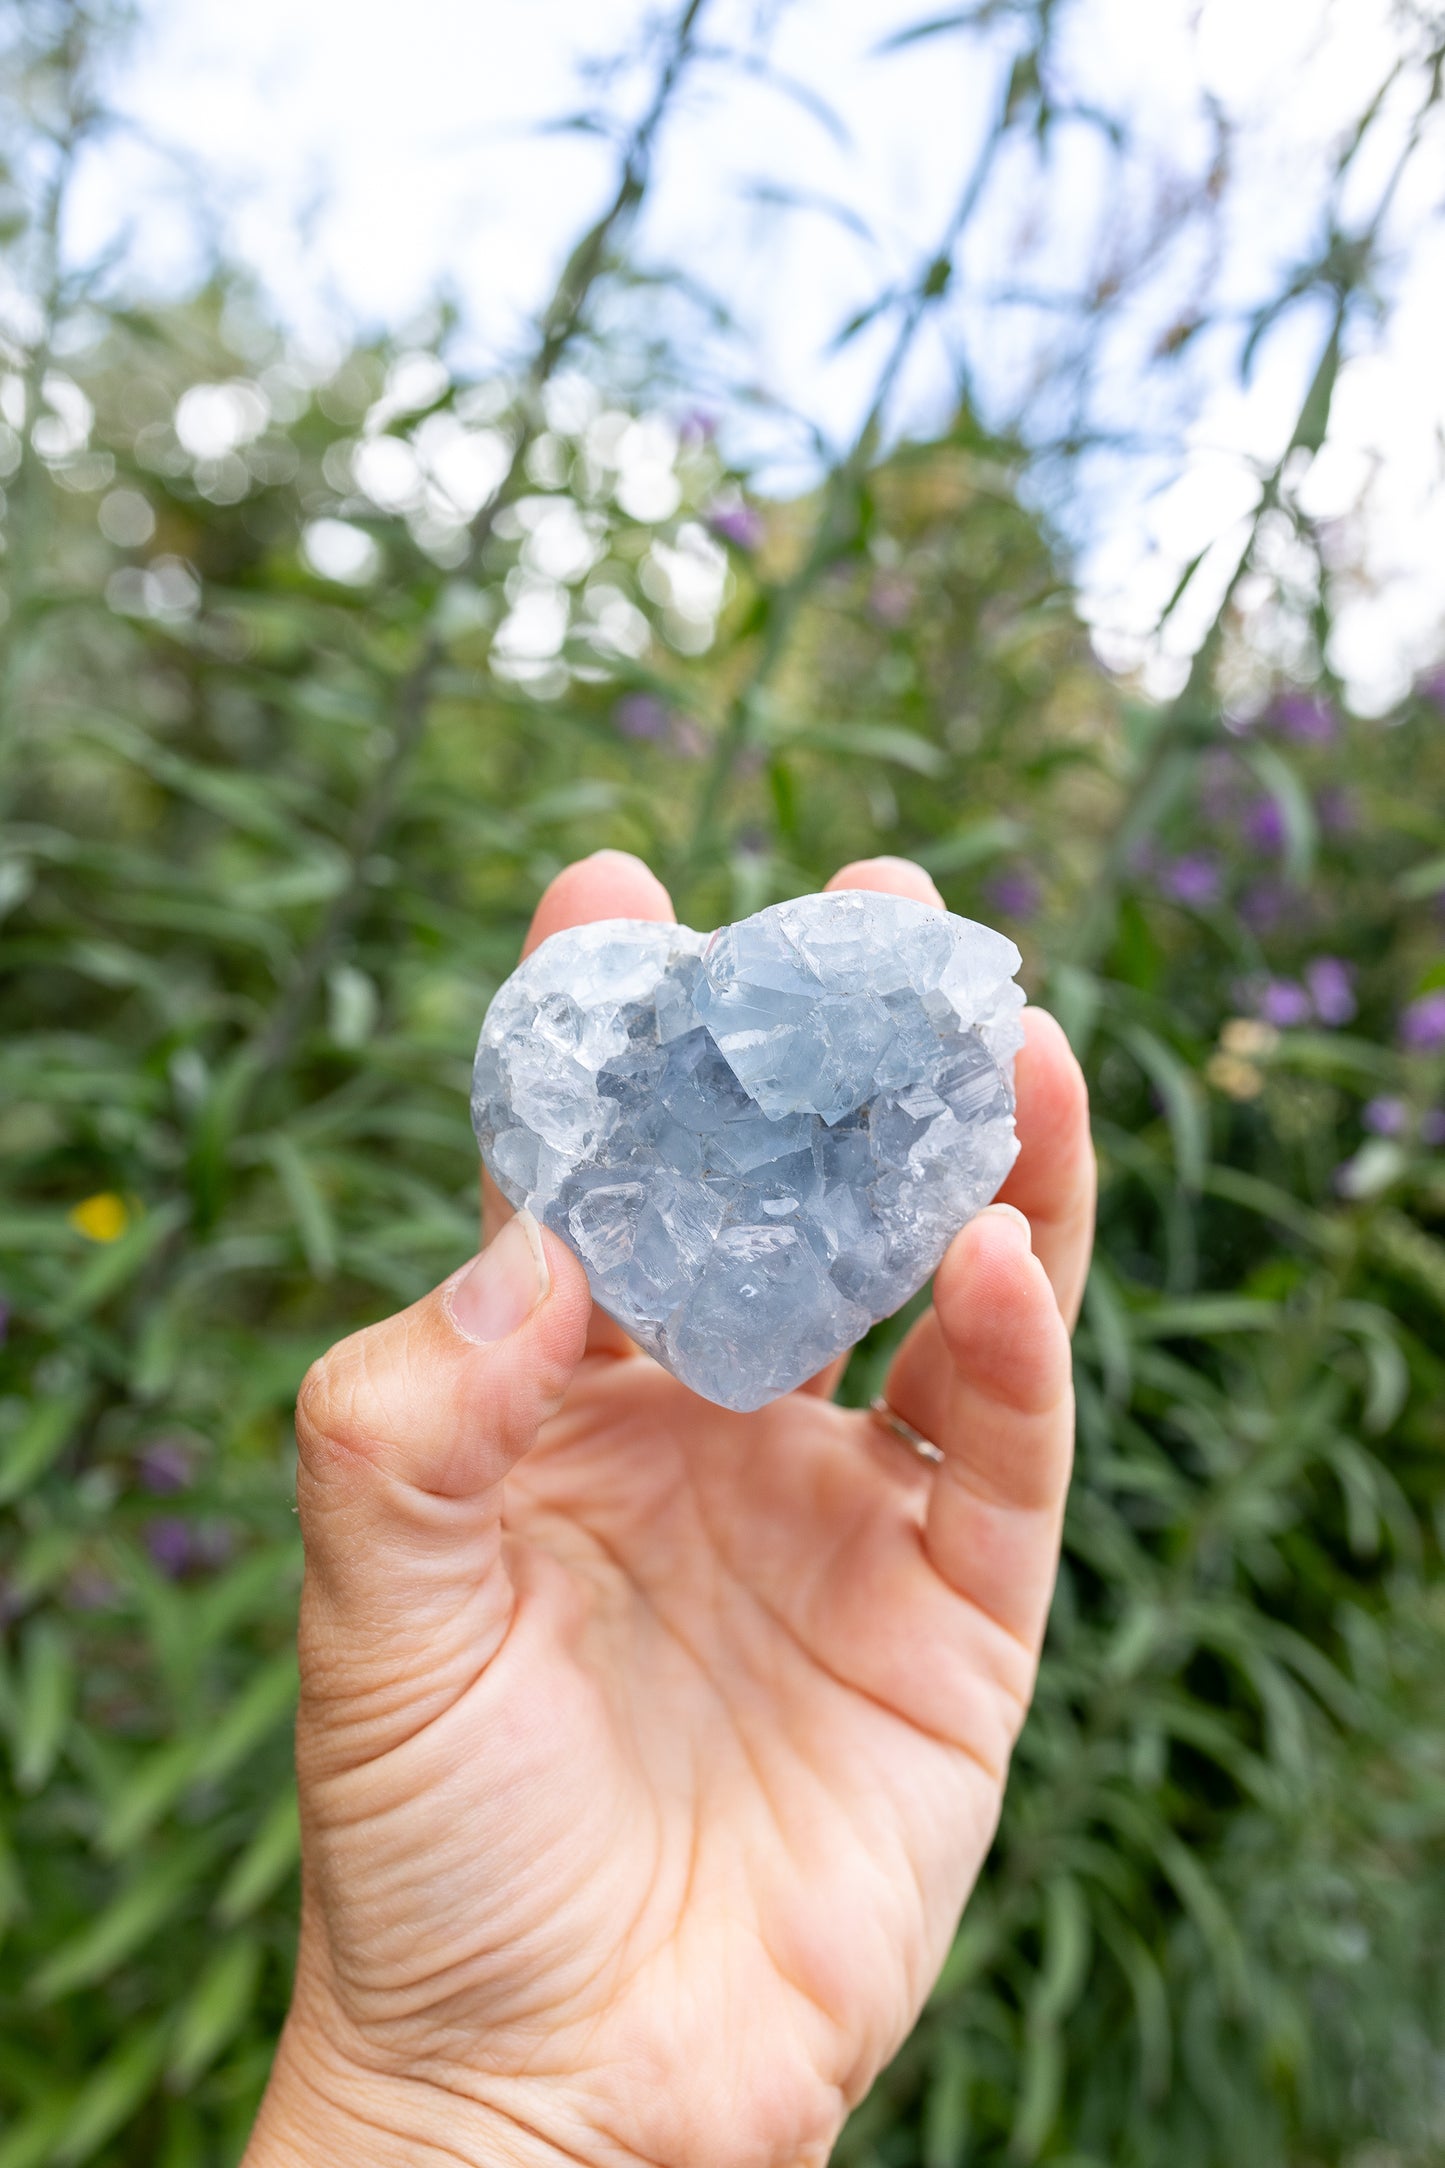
(648,1752)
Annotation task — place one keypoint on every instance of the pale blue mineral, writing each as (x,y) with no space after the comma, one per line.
(758,1141)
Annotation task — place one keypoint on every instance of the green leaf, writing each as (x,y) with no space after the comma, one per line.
(44,1698)
(1185,1107)
(215,2009)
(973,844)
(271,1854)
(31,2142)
(1422,881)
(309,1208)
(140,1910)
(170,1771)
(41,1438)
(875,741)
(111,2096)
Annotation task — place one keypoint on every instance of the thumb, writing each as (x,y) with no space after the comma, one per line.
(405,1433)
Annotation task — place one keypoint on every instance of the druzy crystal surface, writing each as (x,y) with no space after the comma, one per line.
(758,1141)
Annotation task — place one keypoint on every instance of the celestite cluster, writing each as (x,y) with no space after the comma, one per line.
(758,1141)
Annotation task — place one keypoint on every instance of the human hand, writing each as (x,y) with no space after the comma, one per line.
(648,1751)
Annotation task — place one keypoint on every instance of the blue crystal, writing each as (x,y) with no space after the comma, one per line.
(760,1141)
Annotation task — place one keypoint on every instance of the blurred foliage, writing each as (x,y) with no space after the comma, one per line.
(311,681)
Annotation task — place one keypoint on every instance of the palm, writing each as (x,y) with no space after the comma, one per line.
(735,1738)
(652,1778)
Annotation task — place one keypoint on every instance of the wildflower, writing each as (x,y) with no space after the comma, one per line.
(1264,826)
(1331,988)
(1014,893)
(168,1540)
(1235,1077)
(642,715)
(102,1218)
(738,523)
(1249,1036)
(1284,1002)
(697,426)
(1193,879)
(1422,1027)
(1385,1116)
(1307,718)
(164,1467)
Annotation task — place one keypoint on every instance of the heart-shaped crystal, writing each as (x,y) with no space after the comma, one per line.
(758,1141)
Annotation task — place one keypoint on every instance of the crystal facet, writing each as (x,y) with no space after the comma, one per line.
(757,1141)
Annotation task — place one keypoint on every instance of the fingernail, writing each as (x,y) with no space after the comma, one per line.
(499,1290)
(1008,1215)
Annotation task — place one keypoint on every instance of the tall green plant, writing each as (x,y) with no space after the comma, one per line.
(309,685)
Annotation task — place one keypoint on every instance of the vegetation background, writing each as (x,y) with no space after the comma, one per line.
(312,677)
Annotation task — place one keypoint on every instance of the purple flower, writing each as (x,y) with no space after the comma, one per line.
(164,1467)
(1193,879)
(738,523)
(1339,814)
(1332,989)
(1308,718)
(1431,687)
(891,599)
(168,1540)
(1264,825)
(1283,1002)
(1265,905)
(642,715)
(1432,1127)
(1385,1116)
(1422,1027)
(697,426)
(1015,893)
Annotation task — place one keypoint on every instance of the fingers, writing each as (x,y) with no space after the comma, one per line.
(406,1432)
(887,877)
(986,1376)
(609,884)
(1053,1179)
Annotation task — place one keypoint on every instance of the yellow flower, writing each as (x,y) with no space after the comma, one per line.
(1249,1037)
(1231,1074)
(102,1218)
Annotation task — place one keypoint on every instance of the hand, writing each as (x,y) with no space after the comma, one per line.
(648,1752)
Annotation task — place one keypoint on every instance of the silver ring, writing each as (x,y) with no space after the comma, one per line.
(905,1433)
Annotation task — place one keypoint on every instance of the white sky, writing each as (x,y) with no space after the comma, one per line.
(363,157)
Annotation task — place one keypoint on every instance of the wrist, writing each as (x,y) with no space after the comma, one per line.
(322,2107)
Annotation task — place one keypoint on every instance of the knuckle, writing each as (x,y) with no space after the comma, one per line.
(325,1405)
